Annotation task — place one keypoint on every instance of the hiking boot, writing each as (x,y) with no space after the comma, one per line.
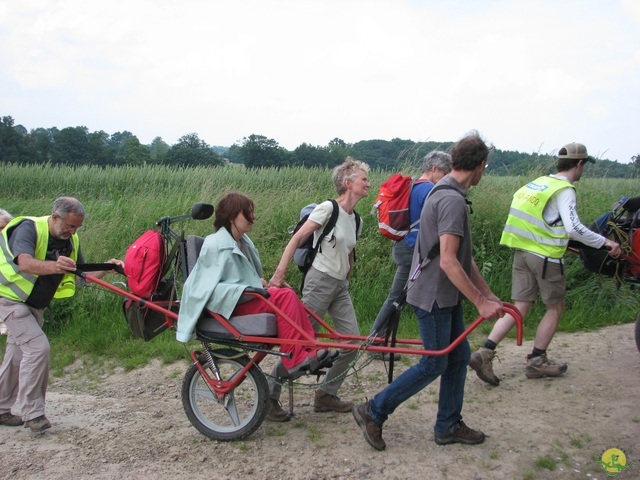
(38,424)
(275,413)
(482,363)
(461,434)
(8,419)
(371,430)
(325,402)
(538,367)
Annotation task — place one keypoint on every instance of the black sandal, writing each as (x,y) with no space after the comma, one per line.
(323,358)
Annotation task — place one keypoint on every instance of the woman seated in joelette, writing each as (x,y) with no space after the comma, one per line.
(228,263)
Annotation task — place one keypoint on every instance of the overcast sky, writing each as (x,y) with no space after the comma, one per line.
(529,75)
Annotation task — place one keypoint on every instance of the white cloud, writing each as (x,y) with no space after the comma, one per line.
(525,73)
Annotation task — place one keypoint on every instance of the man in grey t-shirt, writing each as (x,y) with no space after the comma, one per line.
(436,293)
(38,261)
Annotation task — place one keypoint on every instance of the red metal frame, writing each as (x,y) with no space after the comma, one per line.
(330,333)
(329,339)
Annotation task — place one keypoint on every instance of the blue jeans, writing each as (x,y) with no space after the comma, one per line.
(402,255)
(438,329)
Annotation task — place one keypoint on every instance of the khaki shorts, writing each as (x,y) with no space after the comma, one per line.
(527,281)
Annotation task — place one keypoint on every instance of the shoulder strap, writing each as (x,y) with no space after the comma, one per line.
(333,219)
(449,187)
(435,250)
(331,224)
(357,229)
(414,183)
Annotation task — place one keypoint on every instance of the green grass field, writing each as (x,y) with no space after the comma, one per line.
(122,203)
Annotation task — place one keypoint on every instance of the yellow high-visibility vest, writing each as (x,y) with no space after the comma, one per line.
(16,285)
(526,228)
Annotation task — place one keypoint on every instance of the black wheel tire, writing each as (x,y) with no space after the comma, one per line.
(246,405)
(638,332)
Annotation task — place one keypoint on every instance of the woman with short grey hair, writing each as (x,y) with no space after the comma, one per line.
(435,165)
(326,284)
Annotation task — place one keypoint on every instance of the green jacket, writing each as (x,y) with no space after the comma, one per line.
(218,279)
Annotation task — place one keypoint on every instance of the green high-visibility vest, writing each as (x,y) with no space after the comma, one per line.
(17,285)
(526,228)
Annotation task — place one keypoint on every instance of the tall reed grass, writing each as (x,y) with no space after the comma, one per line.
(123,202)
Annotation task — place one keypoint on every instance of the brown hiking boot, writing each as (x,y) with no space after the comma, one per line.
(538,367)
(461,434)
(325,402)
(482,363)
(371,430)
(275,413)
(10,420)
(38,424)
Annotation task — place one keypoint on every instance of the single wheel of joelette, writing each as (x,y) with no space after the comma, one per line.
(236,415)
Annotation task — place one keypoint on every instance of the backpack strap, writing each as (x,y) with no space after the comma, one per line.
(435,250)
(449,187)
(358,219)
(98,267)
(413,183)
(171,255)
(331,224)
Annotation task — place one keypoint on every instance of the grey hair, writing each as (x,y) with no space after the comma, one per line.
(5,217)
(436,158)
(63,206)
(347,170)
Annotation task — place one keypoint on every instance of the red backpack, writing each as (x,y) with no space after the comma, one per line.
(392,207)
(143,263)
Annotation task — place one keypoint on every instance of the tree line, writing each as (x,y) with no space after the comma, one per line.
(78,146)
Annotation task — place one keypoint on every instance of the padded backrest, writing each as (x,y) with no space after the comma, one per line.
(194,245)
(260,325)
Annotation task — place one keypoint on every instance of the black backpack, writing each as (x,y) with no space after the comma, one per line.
(305,254)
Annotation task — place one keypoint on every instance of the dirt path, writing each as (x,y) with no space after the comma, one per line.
(132,426)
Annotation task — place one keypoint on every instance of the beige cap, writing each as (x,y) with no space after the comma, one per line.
(575,151)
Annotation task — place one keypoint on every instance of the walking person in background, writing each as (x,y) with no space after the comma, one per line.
(326,285)
(38,256)
(542,219)
(436,296)
(435,165)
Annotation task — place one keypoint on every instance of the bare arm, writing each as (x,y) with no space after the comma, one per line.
(488,308)
(62,265)
(278,278)
(478,280)
(31,265)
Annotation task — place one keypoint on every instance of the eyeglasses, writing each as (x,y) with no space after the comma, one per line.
(69,227)
(72,227)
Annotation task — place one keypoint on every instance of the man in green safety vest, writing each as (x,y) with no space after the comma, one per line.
(542,219)
(38,256)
